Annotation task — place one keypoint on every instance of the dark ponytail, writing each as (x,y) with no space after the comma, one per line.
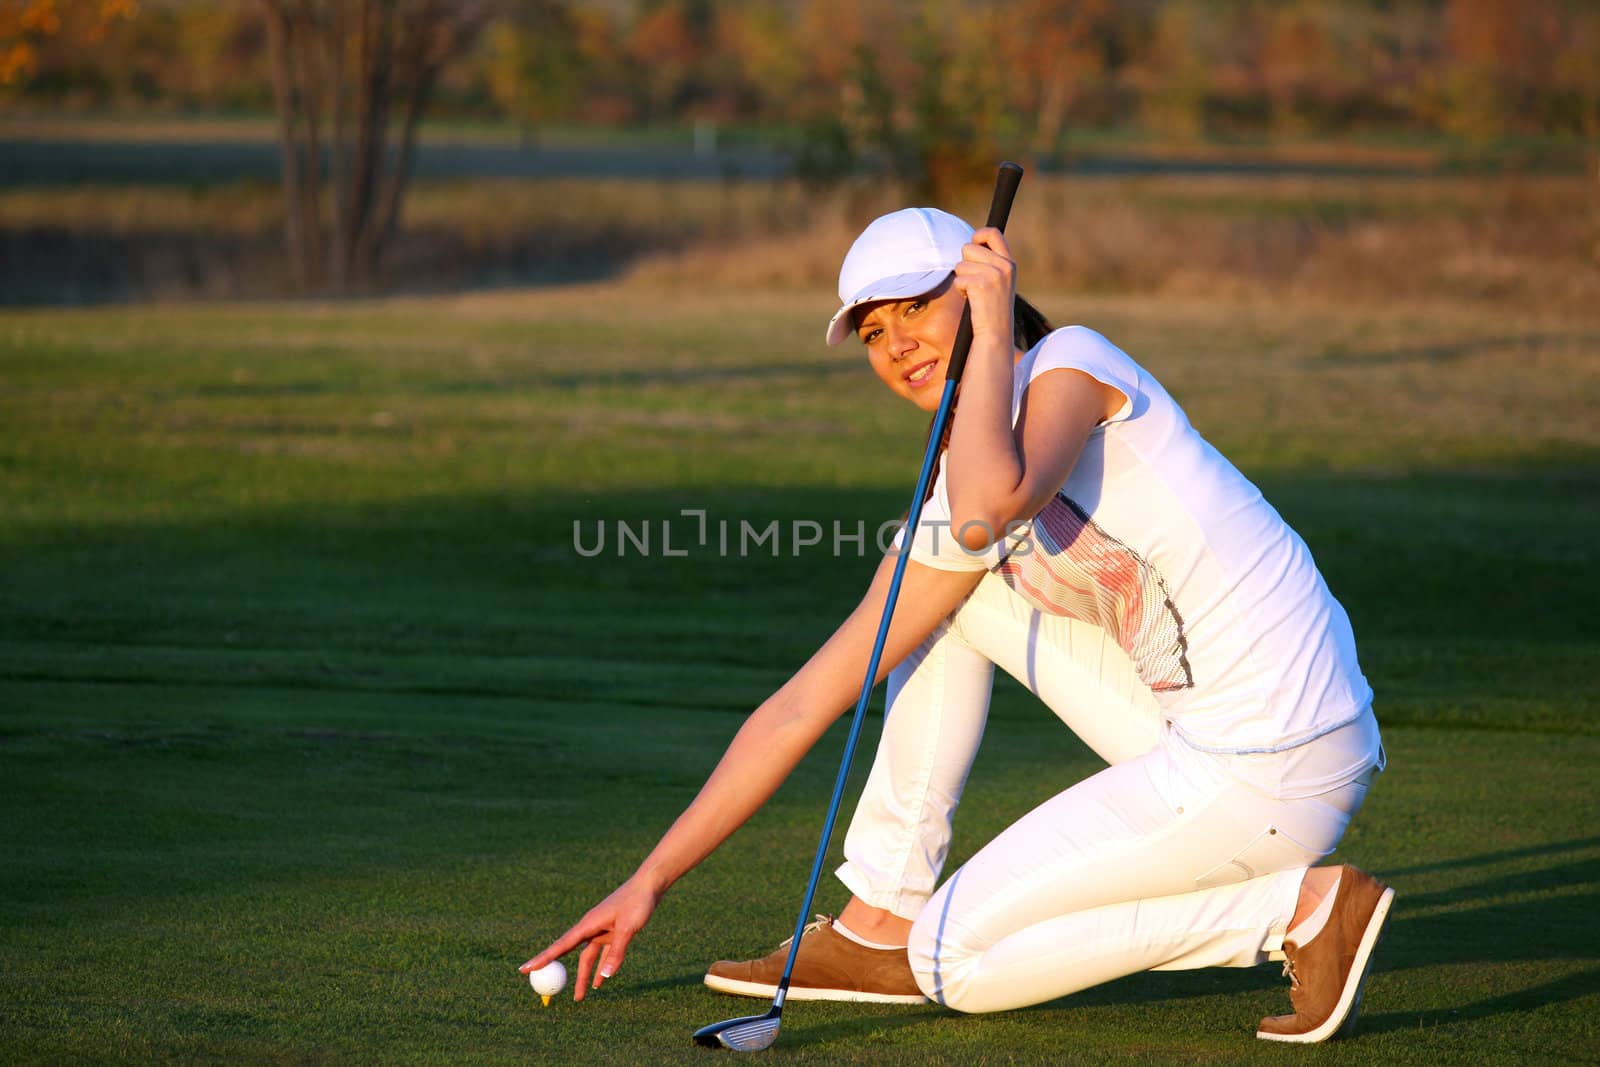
(1030,324)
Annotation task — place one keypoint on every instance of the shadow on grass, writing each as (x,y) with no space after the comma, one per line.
(1393,550)
(1553,849)
(1493,917)
(686,980)
(1585,983)
(1558,880)
(1549,916)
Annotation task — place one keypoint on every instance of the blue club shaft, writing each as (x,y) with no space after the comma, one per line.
(930,457)
(999,211)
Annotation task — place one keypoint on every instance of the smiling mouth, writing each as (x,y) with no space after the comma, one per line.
(921,374)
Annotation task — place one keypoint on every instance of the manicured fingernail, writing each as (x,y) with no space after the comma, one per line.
(607,971)
(526,967)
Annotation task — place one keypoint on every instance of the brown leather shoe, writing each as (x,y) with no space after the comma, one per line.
(1326,974)
(829,966)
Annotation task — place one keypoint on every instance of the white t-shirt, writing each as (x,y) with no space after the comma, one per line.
(1158,539)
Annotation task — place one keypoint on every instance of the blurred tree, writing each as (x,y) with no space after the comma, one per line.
(1175,72)
(26,24)
(1575,74)
(214,46)
(1057,49)
(354,62)
(544,61)
(667,44)
(608,96)
(1496,65)
(960,123)
(913,91)
(536,63)
(1468,80)
(837,98)
(1296,63)
(757,43)
(873,112)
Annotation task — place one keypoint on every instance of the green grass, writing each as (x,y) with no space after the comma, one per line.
(313,724)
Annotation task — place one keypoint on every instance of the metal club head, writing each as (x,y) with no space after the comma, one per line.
(751,1033)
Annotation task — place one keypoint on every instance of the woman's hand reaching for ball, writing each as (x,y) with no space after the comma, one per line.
(604,933)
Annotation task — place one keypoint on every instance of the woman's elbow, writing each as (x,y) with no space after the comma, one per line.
(977,531)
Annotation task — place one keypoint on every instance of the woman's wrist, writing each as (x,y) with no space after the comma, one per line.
(992,343)
(999,327)
(652,879)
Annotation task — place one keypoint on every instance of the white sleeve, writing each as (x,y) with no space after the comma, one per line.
(1080,348)
(937,545)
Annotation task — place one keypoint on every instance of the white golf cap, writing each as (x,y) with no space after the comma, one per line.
(902,254)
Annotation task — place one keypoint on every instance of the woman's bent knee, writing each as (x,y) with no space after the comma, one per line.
(940,962)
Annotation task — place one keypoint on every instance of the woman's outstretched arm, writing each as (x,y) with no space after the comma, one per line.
(762,754)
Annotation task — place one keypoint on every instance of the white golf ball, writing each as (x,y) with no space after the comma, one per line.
(548,980)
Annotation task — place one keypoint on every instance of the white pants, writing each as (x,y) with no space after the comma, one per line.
(1167,859)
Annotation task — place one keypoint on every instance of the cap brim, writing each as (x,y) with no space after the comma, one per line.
(896,287)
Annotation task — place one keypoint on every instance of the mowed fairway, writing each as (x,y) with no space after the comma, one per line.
(315,723)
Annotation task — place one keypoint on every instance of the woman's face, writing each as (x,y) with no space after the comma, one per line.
(909,341)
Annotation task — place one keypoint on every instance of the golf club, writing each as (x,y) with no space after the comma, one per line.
(752,1033)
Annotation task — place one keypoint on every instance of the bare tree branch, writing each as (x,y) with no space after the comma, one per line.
(336,45)
(437,32)
(360,61)
(306,55)
(288,146)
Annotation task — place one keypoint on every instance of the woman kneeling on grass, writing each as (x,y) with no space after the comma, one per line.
(1152,599)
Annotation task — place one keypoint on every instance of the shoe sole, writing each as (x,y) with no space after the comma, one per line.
(1342,1022)
(767,991)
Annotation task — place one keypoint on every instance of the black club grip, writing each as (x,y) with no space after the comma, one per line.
(1005,191)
